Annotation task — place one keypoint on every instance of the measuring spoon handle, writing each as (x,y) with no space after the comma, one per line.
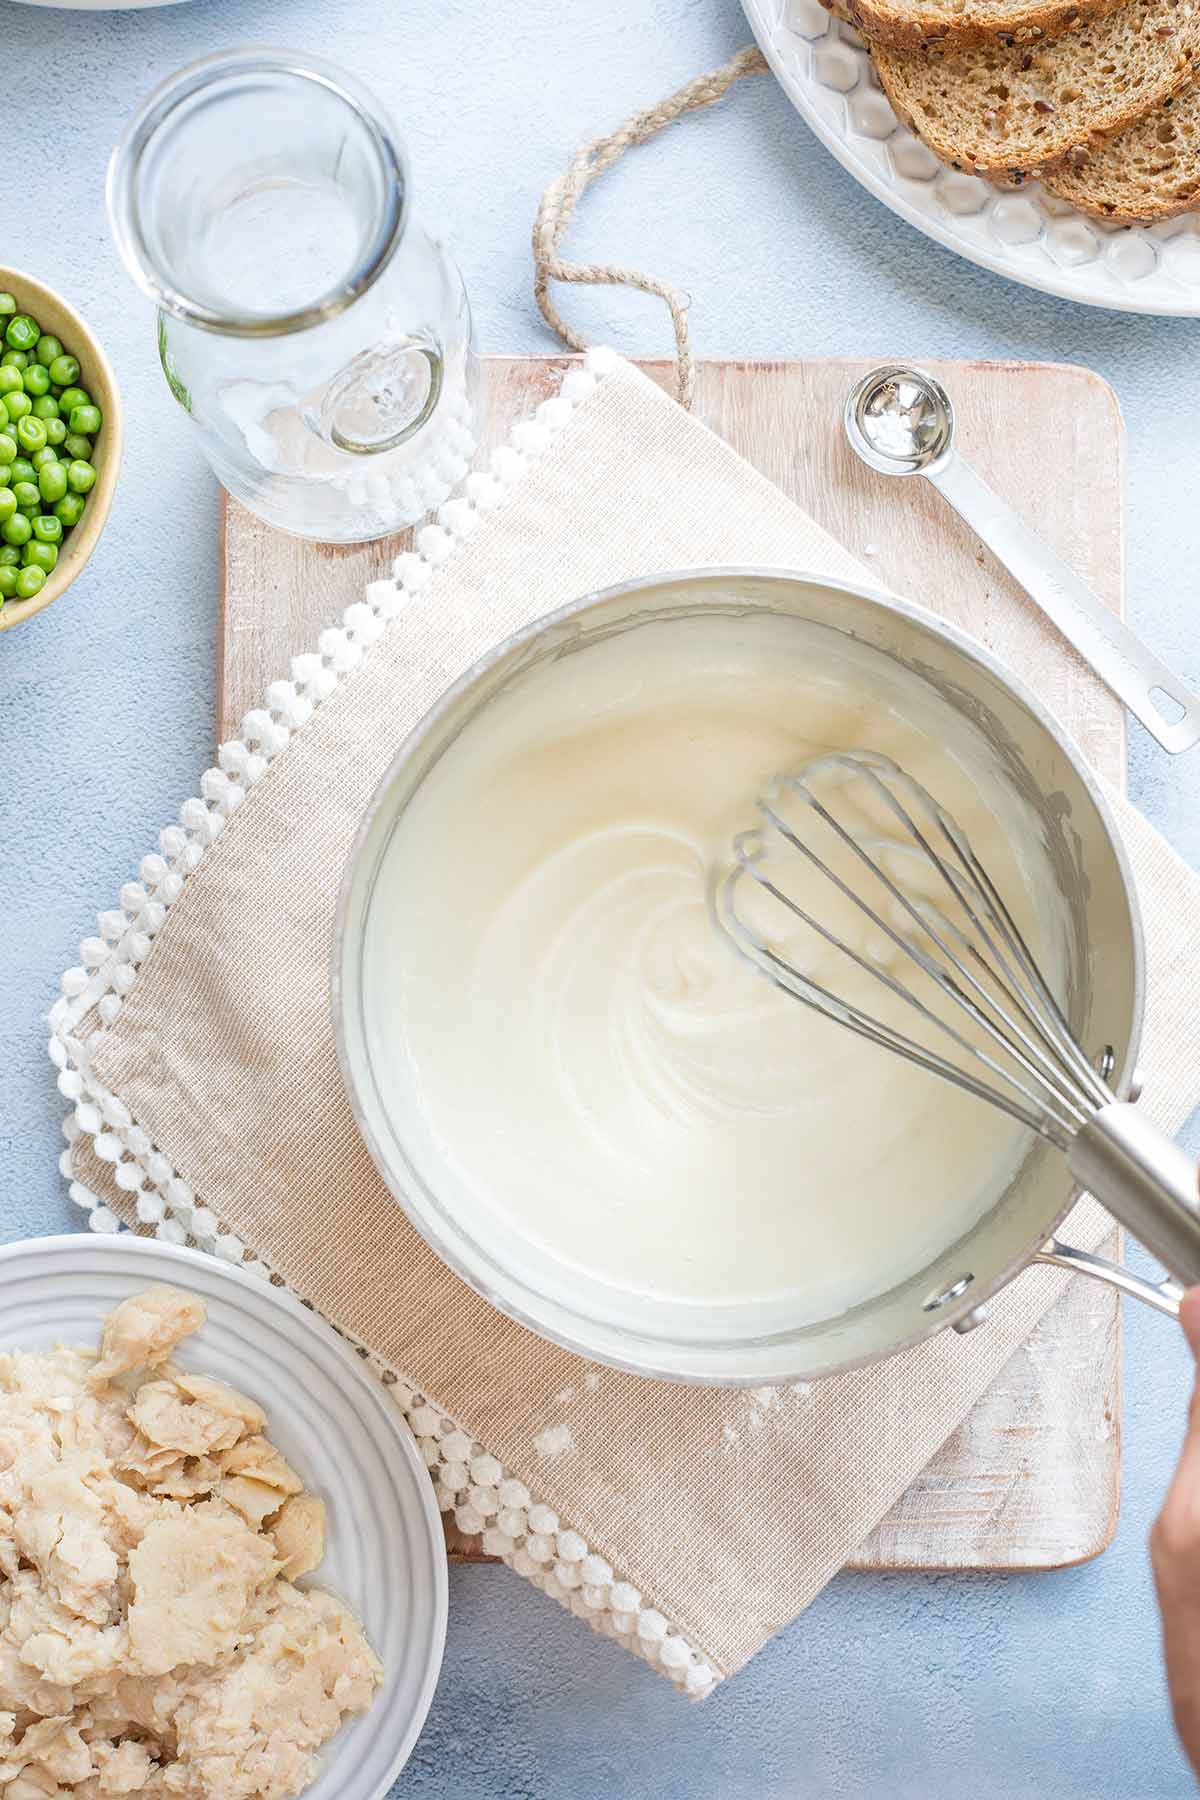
(1153,694)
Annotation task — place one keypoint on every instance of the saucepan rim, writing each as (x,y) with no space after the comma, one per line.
(699,1369)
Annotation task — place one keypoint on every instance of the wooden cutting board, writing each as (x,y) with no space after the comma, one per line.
(1032,1478)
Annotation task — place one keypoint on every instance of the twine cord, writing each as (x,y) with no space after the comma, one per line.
(558,204)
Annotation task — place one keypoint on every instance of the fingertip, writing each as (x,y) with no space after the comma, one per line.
(1189,1318)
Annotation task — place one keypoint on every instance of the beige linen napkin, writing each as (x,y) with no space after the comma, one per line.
(197,1045)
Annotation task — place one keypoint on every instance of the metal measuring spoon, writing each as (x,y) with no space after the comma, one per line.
(900,422)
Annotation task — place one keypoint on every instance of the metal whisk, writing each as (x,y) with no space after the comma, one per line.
(1001,1034)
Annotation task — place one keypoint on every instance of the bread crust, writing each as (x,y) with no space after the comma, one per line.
(886,22)
(1144,215)
(1000,165)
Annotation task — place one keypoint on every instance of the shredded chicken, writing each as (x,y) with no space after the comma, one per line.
(142,1332)
(299,1534)
(152,1644)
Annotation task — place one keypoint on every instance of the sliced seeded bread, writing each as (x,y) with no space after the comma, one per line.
(956,24)
(1013,112)
(1152,171)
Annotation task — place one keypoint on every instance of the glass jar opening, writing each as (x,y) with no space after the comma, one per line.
(257,193)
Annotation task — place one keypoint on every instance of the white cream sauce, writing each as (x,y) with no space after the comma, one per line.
(592,1061)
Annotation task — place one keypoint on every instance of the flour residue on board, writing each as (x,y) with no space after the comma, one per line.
(557,1438)
(760,1410)
(553,1441)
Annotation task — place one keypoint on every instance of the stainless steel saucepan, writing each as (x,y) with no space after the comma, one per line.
(748,1345)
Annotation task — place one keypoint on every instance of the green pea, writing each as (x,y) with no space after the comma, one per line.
(30,581)
(47,349)
(26,493)
(22,332)
(10,380)
(45,407)
(8,504)
(21,469)
(39,555)
(84,420)
(9,557)
(8,303)
(52,483)
(81,477)
(56,431)
(69,511)
(64,370)
(8,449)
(73,396)
(35,380)
(41,457)
(14,359)
(16,530)
(8,583)
(31,434)
(78,448)
(17,404)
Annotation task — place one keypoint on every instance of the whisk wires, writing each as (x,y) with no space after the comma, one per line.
(1022,1056)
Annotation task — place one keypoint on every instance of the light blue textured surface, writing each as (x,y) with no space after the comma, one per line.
(1046,1686)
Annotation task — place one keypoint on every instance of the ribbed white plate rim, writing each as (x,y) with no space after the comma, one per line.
(330,1418)
(767,20)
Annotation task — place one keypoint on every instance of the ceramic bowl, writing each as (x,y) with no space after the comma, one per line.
(53,314)
(331,1419)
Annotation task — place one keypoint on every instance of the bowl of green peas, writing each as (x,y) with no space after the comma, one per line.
(60,445)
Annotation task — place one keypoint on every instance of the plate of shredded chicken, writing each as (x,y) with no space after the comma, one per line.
(222,1572)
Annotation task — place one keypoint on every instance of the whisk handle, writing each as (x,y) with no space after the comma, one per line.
(1146,1181)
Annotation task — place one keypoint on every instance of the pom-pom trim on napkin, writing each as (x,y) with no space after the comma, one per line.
(471,1484)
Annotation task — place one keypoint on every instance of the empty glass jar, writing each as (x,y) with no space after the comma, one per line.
(319,338)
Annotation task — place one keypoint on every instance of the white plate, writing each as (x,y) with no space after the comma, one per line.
(1028,235)
(334,1424)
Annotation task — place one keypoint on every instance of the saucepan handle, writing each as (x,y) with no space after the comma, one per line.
(1146,1181)
(1164,1296)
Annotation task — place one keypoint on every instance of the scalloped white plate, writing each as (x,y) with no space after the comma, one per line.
(333,1422)
(1029,236)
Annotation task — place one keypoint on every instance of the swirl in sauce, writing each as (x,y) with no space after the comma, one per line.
(589,1056)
